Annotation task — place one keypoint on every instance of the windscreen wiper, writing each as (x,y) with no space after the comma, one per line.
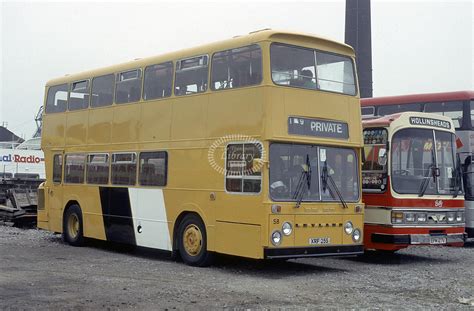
(325,178)
(433,169)
(305,175)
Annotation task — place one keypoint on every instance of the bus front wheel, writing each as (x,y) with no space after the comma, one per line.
(192,242)
(72,226)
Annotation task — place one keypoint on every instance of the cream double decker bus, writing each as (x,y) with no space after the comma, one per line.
(248,147)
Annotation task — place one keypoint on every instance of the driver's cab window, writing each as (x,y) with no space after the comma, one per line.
(374,168)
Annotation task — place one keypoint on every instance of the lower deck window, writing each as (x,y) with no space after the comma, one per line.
(98,169)
(57,168)
(241,174)
(153,168)
(124,169)
(74,168)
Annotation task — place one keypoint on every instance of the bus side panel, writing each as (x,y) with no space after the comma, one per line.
(239,239)
(100,126)
(243,106)
(53,133)
(150,218)
(93,220)
(126,124)
(76,127)
(189,118)
(157,124)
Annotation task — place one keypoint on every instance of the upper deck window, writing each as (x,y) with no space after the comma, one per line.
(391,109)
(57,98)
(128,86)
(79,95)
(191,75)
(451,109)
(311,69)
(102,91)
(158,81)
(237,68)
(368,111)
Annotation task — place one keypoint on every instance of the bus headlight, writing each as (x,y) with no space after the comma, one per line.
(287,228)
(356,235)
(451,216)
(460,216)
(420,217)
(397,217)
(348,227)
(276,238)
(410,217)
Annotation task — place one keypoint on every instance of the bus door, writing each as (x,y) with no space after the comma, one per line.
(54,190)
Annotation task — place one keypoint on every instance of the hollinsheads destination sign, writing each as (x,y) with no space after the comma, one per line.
(317,127)
(430,122)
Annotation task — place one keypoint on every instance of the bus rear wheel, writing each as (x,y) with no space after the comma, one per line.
(192,242)
(72,226)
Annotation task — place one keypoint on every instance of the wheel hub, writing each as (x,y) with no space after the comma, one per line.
(192,240)
(73,226)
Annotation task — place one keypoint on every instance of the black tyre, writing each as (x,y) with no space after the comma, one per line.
(73,226)
(192,242)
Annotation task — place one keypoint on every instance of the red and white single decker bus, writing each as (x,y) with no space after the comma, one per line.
(459,106)
(411,182)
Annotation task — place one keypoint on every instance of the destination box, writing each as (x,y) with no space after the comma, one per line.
(318,128)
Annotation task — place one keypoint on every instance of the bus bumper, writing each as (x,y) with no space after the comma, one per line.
(299,252)
(418,239)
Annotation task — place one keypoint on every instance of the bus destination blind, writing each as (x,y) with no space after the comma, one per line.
(430,122)
(318,128)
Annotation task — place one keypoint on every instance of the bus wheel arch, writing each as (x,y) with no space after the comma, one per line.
(73,225)
(190,240)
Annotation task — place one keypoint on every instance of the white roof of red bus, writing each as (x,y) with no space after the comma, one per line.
(382,121)
(387,120)
(417,98)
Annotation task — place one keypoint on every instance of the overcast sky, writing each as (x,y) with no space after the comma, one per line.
(424,46)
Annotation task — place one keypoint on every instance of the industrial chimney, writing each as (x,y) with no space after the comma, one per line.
(358,35)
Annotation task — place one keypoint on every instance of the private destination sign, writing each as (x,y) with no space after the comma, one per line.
(430,122)
(317,127)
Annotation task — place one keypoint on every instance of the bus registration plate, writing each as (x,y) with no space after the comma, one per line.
(317,241)
(438,240)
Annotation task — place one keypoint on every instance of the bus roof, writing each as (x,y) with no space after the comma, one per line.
(252,37)
(387,120)
(382,121)
(417,98)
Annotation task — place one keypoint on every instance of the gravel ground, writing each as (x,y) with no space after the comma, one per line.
(39,271)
